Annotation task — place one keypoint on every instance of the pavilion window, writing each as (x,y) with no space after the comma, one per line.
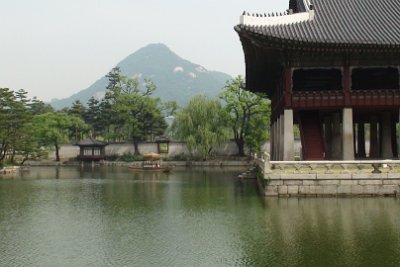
(317,80)
(96,151)
(375,78)
(87,151)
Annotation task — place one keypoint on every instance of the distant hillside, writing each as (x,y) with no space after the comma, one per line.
(176,78)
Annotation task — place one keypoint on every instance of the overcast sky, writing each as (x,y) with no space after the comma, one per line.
(54,48)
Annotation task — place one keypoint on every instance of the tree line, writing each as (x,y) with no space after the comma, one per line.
(129,112)
(237,114)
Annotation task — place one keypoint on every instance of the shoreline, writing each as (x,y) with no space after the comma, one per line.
(211,163)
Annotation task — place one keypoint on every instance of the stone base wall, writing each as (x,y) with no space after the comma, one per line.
(351,184)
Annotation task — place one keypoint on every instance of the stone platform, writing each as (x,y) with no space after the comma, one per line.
(329,178)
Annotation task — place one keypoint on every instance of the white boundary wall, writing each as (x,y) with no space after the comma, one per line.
(175,148)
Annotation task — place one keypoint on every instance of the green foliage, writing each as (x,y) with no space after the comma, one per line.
(202,124)
(256,134)
(180,157)
(93,116)
(126,112)
(129,157)
(248,116)
(296,131)
(113,157)
(77,109)
(17,140)
(53,129)
(37,107)
(169,108)
(14,116)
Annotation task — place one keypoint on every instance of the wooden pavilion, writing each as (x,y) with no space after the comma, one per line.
(331,67)
(91,150)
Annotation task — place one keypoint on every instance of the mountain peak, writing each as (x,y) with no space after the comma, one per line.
(176,78)
(156,46)
(149,54)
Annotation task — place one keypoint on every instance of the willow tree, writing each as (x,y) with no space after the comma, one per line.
(202,124)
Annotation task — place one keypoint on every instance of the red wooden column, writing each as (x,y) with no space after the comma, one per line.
(287,86)
(346,85)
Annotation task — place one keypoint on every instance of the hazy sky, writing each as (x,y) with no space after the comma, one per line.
(54,48)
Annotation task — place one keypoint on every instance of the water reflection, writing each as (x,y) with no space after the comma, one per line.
(195,217)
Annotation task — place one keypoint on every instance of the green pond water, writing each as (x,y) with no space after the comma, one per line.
(191,217)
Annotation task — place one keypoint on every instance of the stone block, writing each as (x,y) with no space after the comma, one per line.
(391,182)
(330,189)
(369,182)
(357,189)
(389,189)
(298,176)
(309,182)
(283,190)
(293,182)
(273,176)
(371,189)
(329,182)
(344,189)
(304,189)
(369,175)
(329,176)
(275,182)
(316,189)
(349,182)
(293,189)
(271,191)
(393,175)
(308,176)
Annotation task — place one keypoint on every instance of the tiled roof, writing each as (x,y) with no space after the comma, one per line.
(91,142)
(297,5)
(346,23)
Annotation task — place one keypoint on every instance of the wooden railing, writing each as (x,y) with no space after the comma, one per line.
(375,97)
(336,98)
(304,99)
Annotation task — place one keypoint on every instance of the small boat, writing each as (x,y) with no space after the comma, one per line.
(151,163)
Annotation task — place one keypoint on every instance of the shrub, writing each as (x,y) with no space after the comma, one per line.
(129,157)
(113,157)
(166,159)
(180,157)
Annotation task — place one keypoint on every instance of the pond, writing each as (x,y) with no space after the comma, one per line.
(192,217)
